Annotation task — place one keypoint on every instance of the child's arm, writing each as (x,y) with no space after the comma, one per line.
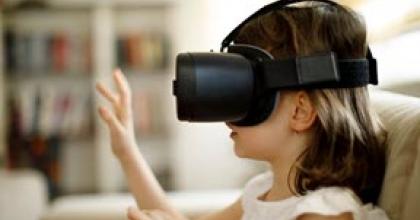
(141,181)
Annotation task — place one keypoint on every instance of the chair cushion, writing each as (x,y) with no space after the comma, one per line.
(400,114)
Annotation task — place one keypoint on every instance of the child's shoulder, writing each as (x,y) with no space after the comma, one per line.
(330,201)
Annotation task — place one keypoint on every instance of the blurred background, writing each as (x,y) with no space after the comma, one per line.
(53,51)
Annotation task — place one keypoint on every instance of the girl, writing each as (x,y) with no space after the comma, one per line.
(325,147)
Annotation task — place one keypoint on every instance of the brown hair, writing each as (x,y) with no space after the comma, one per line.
(348,142)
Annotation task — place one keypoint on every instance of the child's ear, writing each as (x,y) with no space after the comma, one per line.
(304,113)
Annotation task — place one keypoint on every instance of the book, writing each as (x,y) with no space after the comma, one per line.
(142,52)
(40,52)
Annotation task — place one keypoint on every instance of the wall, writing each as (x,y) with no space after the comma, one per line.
(398,59)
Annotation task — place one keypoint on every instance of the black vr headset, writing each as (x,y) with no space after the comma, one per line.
(240,85)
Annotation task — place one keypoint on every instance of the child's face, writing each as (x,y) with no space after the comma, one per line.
(271,139)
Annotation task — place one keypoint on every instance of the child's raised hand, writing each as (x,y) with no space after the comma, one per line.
(120,120)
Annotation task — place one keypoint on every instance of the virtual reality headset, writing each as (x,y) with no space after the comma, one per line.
(239,85)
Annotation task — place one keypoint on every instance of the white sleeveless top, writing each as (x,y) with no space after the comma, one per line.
(324,201)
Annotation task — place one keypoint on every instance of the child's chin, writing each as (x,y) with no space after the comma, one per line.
(241,152)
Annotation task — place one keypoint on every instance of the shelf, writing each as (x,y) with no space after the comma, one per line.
(46,76)
(113,3)
(80,83)
(91,4)
(147,76)
(48,20)
(145,72)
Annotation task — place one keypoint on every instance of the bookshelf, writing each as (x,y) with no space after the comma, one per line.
(53,55)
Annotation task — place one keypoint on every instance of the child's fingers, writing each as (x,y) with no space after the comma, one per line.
(122,86)
(135,214)
(109,118)
(107,94)
(125,95)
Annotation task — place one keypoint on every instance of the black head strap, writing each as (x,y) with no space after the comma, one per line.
(373,68)
(322,71)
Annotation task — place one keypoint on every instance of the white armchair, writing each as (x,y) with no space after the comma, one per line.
(400,195)
(23,195)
